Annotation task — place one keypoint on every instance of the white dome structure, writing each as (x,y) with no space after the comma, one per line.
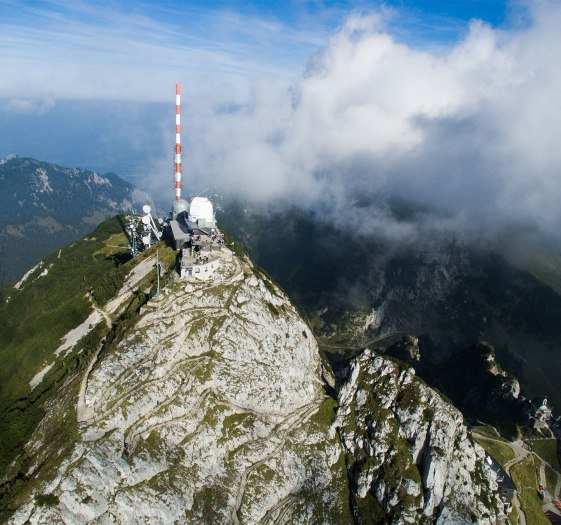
(201,211)
(178,207)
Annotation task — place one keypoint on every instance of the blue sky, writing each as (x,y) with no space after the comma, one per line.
(53,52)
(115,50)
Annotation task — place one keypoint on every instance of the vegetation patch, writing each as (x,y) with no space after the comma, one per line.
(488,431)
(236,425)
(325,415)
(513,515)
(524,476)
(500,451)
(234,246)
(46,500)
(547,449)
(550,480)
(116,241)
(367,510)
(273,309)
(209,502)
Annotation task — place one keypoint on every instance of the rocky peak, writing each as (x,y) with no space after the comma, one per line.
(207,405)
(411,453)
(210,409)
(407,349)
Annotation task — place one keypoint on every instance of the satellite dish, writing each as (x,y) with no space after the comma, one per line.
(146,240)
(161,221)
(146,208)
(146,219)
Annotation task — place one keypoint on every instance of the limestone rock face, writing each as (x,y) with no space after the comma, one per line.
(210,410)
(411,451)
(208,406)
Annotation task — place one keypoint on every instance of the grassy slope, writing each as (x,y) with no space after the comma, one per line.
(524,475)
(501,452)
(547,450)
(488,431)
(35,317)
(550,480)
(33,320)
(513,515)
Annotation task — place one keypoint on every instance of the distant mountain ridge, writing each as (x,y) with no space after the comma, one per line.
(43,206)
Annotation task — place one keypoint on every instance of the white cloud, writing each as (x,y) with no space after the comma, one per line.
(33,105)
(471,133)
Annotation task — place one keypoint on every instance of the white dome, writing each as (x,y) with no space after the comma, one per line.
(179,206)
(201,208)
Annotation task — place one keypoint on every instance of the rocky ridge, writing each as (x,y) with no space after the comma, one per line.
(211,409)
(411,451)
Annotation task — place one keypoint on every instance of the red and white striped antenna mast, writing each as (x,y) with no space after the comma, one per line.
(177,142)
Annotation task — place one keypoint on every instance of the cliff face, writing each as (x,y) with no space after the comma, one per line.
(451,291)
(410,451)
(473,380)
(209,410)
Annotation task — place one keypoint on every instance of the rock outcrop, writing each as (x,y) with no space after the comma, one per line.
(410,450)
(210,410)
(209,407)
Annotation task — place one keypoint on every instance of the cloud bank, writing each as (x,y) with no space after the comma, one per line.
(390,139)
(380,133)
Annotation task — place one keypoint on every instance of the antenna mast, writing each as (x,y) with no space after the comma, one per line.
(177,142)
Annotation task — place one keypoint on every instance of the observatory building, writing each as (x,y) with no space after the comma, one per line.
(193,226)
(195,219)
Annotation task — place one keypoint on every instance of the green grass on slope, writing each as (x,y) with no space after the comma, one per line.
(488,431)
(513,515)
(104,277)
(501,452)
(547,450)
(524,476)
(34,318)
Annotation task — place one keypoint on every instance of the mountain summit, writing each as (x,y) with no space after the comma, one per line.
(208,404)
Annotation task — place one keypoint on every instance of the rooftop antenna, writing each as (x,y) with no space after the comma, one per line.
(177,142)
(147,209)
